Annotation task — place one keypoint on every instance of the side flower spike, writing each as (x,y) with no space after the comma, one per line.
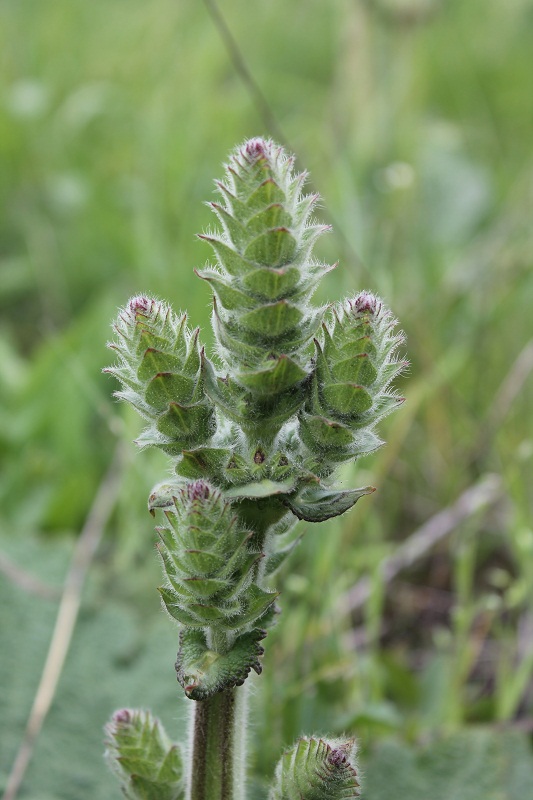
(317,769)
(356,362)
(147,763)
(159,369)
(211,565)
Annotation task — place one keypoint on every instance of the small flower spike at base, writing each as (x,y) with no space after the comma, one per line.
(149,766)
(317,769)
(255,435)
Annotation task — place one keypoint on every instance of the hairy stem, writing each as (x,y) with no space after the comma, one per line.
(218,754)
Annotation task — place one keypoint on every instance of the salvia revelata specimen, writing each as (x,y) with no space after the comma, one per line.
(255,437)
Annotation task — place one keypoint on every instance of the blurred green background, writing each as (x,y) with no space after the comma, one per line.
(414,118)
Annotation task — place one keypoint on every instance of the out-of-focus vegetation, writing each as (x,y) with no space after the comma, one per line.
(414,119)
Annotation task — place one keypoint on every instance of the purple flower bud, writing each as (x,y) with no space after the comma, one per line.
(337,757)
(364,303)
(199,490)
(122,717)
(140,305)
(255,149)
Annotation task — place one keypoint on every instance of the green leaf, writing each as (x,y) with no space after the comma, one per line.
(230,298)
(203,672)
(328,434)
(232,226)
(142,788)
(162,495)
(266,193)
(168,387)
(347,398)
(276,376)
(155,361)
(318,769)
(258,489)
(228,257)
(315,504)
(271,284)
(203,462)
(355,369)
(274,216)
(257,603)
(272,320)
(187,422)
(148,765)
(272,249)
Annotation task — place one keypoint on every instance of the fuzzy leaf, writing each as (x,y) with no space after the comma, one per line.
(355,369)
(149,766)
(276,376)
(274,216)
(272,284)
(228,257)
(266,193)
(203,462)
(180,421)
(258,489)
(315,504)
(328,434)
(230,298)
(272,320)
(272,249)
(203,672)
(347,398)
(155,361)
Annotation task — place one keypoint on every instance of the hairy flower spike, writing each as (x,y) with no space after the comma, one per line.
(255,448)
(317,769)
(210,566)
(355,364)
(140,753)
(262,283)
(159,369)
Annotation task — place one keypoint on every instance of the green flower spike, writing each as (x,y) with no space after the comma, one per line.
(263,280)
(317,769)
(159,369)
(355,364)
(211,566)
(255,438)
(148,765)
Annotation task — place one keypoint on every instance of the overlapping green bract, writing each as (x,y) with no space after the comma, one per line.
(263,281)
(148,764)
(356,361)
(317,769)
(159,369)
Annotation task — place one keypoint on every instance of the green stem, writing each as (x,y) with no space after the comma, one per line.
(218,747)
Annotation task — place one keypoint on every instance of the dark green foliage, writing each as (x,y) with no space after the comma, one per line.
(475,764)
